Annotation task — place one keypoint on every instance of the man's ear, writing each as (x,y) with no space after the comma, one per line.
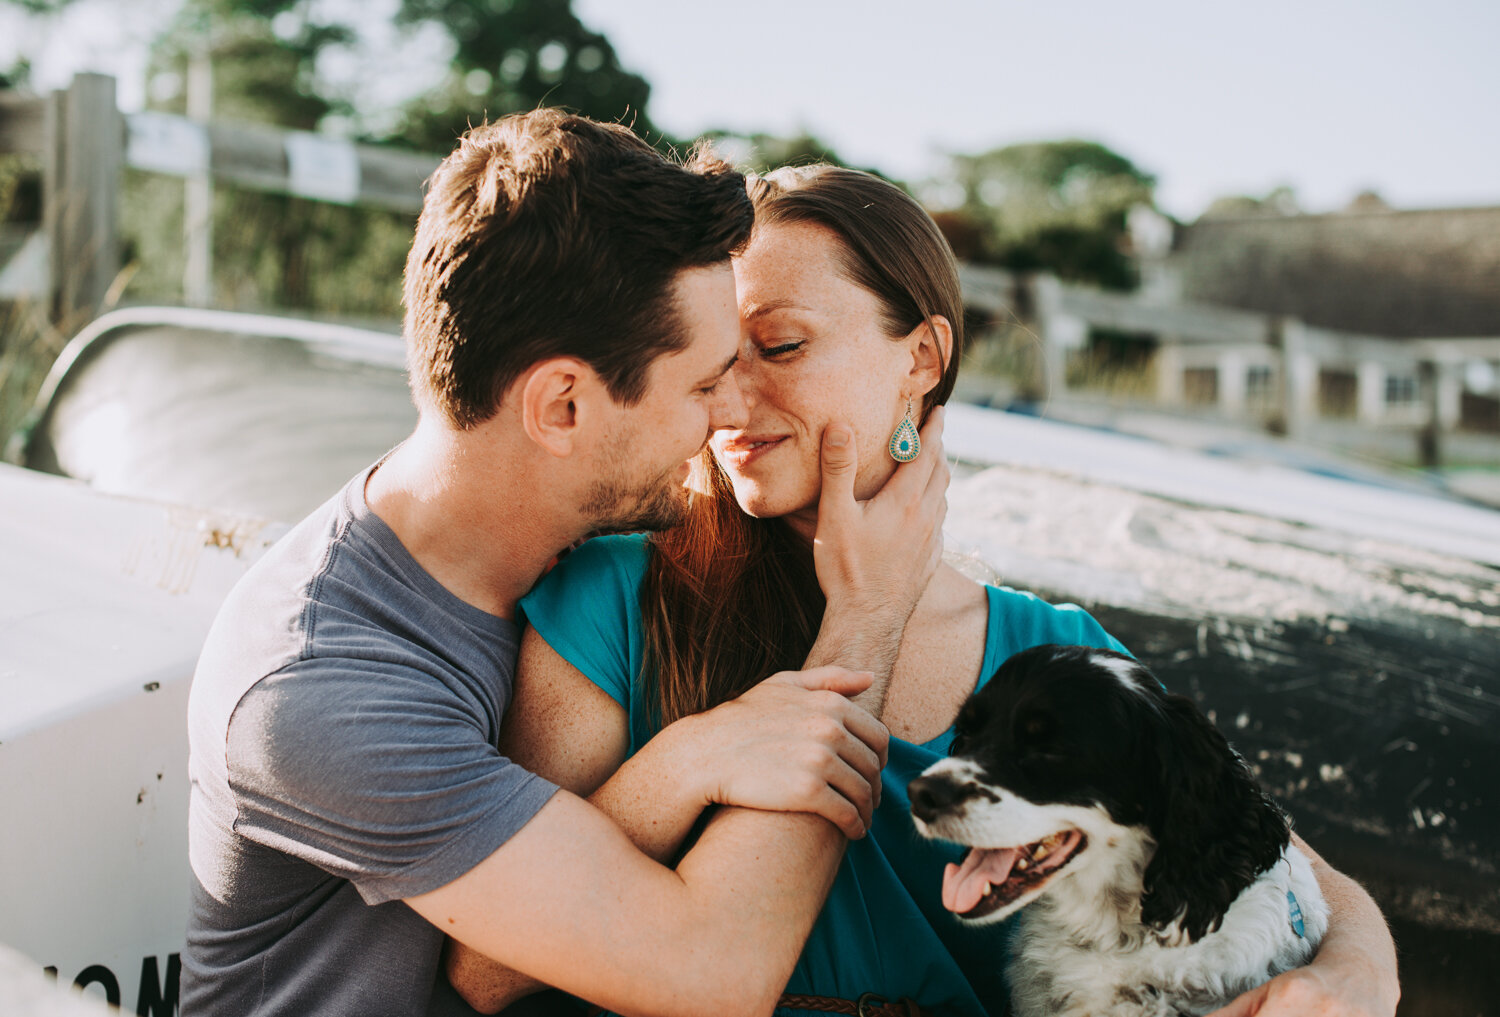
(931,345)
(554,398)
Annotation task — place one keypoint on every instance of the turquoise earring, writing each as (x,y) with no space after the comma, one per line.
(905,445)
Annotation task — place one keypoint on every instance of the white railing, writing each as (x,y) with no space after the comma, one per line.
(84,143)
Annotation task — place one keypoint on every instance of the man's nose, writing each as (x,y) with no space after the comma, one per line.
(730,409)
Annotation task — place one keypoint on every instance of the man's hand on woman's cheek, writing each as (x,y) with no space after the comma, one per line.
(879,554)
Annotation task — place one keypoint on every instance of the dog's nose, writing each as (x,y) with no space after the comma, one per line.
(930,796)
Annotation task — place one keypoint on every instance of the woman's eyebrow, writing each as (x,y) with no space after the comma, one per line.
(757,310)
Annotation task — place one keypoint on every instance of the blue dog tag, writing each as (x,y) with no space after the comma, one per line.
(1294,912)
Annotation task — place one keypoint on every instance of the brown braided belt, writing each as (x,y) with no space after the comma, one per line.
(868,1005)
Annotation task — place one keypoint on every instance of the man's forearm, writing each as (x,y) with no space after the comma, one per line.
(1358,942)
(778,909)
(720,935)
(645,799)
(797,856)
(863,639)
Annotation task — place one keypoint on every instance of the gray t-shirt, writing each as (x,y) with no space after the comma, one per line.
(343,724)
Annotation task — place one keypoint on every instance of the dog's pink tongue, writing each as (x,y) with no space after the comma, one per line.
(963,884)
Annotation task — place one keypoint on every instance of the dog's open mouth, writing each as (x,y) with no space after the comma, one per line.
(989,879)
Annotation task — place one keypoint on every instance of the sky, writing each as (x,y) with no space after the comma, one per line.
(1329,98)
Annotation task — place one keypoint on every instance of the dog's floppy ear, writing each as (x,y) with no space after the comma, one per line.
(1215,829)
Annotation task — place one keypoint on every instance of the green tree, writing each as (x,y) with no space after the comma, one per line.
(1281,201)
(280,251)
(515,55)
(38,6)
(270,250)
(1054,205)
(17,75)
(759,151)
(264,55)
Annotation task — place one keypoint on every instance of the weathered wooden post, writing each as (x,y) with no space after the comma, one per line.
(53,112)
(81,194)
(198,193)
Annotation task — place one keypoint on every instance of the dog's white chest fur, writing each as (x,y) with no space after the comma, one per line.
(1126,974)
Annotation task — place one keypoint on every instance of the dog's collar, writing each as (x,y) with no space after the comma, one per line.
(1294,913)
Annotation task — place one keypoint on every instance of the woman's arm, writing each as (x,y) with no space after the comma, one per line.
(1354,972)
(790,744)
(559,724)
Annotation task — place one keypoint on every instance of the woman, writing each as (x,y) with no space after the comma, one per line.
(851,312)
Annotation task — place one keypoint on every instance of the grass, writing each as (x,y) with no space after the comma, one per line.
(1101,374)
(28,346)
(1007,359)
(999,362)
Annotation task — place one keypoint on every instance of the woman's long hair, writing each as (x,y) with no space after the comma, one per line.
(729,599)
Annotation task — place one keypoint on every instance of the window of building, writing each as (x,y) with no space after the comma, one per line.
(1200,386)
(1337,393)
(1258,386)
(1400,390)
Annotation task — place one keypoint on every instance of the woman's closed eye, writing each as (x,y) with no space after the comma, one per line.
(773,350)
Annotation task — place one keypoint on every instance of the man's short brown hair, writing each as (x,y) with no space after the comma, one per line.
(547,234)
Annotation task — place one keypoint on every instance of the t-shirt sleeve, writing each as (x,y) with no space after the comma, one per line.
(1023,620)
(375,772)
(588,610)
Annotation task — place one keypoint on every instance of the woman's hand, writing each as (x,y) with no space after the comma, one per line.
(874,558)
(793,743)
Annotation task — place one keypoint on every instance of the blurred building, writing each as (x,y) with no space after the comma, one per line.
(1368,269)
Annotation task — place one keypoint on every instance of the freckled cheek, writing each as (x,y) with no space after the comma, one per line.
(875,462)
(875,468)
(799,405)
(818,393)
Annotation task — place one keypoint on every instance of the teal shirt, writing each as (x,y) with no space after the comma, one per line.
(884,928)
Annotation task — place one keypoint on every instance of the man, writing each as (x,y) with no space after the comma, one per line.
(571,323)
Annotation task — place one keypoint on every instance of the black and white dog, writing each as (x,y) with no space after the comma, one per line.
(1161,880)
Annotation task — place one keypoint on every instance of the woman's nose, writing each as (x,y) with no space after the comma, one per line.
(747,377)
